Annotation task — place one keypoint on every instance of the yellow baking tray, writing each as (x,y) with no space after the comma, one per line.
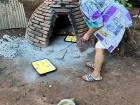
(71,38)
(43,66)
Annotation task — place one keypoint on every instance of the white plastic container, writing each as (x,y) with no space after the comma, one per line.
(66,102)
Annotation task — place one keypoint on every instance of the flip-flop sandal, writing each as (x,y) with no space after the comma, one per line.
(90,65)
(88,78)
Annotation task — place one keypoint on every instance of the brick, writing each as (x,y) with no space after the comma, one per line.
(75,9)
(37,26)
(35,32)
(47,11)
(57,0)
(45,24)
(80,23)
(32,27)
(31,42)
(43,8)
(40,45)
(52,2)
(63,3)
(76,13)
(39,30)
(81,30)
(43,42)
(68,0)
(71,6)
(38,11)
(40,38)
(55,6)
(45,36)
(39,16)
(33,39)
(38,19)
(79,20)
(74,2)
(47,15)
(30,34)
(62,10)
(81,26)
(48,22)
(30,23)
(48,18)
(34,21)
(42,31)
(46,28)
(78,16)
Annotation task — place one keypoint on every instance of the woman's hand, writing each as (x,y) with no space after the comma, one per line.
(86,37)
(88,34)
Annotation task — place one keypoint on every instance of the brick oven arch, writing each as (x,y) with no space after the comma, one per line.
(42,21)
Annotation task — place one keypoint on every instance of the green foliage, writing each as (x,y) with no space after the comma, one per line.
(125,3)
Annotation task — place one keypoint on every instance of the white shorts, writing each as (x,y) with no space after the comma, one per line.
(99,45)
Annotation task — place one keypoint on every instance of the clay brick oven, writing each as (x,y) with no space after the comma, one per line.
(42,21)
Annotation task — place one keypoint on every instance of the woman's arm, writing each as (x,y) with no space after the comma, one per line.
(89,33)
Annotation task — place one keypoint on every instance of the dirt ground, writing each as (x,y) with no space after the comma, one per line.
(21,85)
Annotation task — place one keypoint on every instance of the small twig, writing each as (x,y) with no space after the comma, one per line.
(66,47)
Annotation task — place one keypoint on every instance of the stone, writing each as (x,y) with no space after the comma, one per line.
(7,38)
(15,45)
(1,40)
